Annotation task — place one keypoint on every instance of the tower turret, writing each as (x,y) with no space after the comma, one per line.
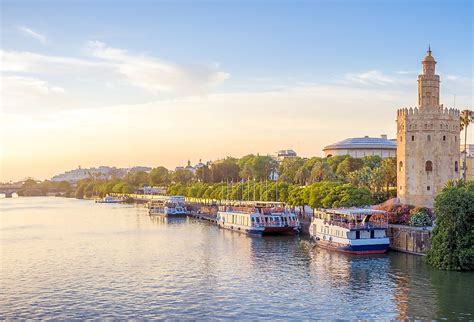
(428,83)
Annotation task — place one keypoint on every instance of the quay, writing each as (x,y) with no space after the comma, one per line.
(204,217)
(406,239)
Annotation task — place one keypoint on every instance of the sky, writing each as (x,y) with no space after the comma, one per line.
(126,83)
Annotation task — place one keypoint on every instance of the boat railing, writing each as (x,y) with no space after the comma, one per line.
(358,225)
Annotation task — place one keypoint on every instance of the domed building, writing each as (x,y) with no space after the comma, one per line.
(362,147)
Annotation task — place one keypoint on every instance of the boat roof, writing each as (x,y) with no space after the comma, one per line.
(353,211)
(257,203)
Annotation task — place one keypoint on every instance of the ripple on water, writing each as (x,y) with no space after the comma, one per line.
(72,259)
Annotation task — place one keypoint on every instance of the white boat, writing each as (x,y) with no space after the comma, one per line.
(108,199)
(351,230)
(259,219)
(173,206)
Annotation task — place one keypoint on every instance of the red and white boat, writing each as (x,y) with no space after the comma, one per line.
(259,219)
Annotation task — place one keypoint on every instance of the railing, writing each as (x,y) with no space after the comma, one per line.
(352,225)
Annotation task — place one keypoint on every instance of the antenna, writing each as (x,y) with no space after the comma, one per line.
(454,100)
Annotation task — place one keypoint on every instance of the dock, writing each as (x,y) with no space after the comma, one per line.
(201,216)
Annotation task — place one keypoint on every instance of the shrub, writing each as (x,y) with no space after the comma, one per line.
(452,243)
(420,219)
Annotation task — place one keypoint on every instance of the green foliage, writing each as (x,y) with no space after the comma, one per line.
(420,219)
(452,243)
(159,176)
(339,181)
(349,165)
(137,178)
(182,176)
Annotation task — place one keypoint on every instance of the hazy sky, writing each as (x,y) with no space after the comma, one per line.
(157,83)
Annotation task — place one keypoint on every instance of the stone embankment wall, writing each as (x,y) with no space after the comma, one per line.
(414,240)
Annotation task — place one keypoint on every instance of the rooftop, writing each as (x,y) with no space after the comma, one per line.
(364,143)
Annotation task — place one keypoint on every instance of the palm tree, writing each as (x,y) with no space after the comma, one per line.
(466,118)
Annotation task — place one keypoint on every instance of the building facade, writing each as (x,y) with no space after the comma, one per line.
(362,147)
(427,142)
(469,160)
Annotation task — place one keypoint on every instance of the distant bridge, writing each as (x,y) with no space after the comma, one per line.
(9,189)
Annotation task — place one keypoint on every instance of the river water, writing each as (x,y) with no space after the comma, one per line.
(66,258)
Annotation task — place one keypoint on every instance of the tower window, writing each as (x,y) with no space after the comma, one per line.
(401,138)
(429,137)
(456,166)
(413,138)
(400,166)
(455,138)
(428,188)
(429,166)
(444,137)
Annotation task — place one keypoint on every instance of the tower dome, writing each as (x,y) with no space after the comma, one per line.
(429,57)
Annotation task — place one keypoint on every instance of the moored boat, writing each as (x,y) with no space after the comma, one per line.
(351,230)
(173,206)
(259,219)
(108,199)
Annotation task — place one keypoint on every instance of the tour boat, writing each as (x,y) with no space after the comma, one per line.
(351,230)
(258,219)
(108,199)
(173,206)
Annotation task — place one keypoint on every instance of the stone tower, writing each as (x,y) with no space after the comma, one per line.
(427,142)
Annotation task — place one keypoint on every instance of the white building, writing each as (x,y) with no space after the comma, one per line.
(362,147)
(283,154)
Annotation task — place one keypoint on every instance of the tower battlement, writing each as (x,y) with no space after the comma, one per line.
(440,111)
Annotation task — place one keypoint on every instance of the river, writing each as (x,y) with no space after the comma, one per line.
(74,259)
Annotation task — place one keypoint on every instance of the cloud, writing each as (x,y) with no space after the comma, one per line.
(371,77)
(36,35)
(110,65)
(156,75)
(20,93)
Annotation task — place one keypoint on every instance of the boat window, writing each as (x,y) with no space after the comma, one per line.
(372,234)
(358,234)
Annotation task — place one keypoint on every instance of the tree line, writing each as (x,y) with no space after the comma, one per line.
(320,182)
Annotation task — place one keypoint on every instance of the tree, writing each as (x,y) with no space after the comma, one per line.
(159,176)
(349,165)
(466,118)
(389,170)
(452,243)
(321,171)
(227,170)
(137,178)
(288,169)
(372,161)
(203,174)
(183,176)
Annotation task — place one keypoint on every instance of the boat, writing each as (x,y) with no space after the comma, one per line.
(351,230)
(259,219)
(108,199)
(173,206)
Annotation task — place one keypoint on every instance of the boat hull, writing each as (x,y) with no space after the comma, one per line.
(353,249)
(288,230)
(162,214)
(242,229)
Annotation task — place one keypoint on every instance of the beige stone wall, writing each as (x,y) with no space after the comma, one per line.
(429,134)
(469,167)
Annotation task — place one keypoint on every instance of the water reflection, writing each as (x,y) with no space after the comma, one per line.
(161,220)
(72,259)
